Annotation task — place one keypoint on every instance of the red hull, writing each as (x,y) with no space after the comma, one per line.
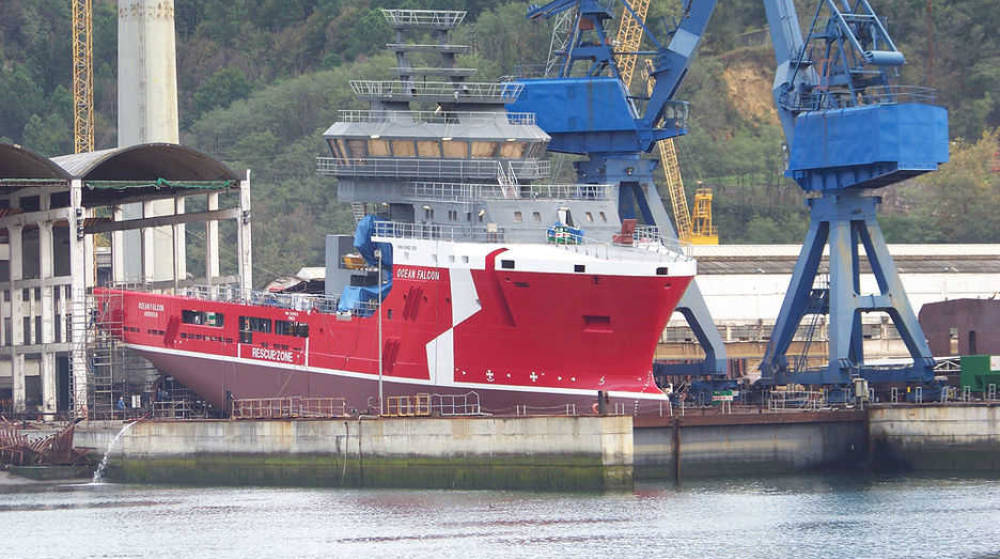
(514,337)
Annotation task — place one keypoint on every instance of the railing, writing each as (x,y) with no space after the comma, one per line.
(288,408)
(875,95)
(653,252)
(417,47)
(417,405)
(466,192)
(436,117)
(799,399)
(497,91)
(433,18)
(401,230)
(293,301)
(451,405)
(645,235)
(438,168)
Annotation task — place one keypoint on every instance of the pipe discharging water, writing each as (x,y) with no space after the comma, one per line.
(99,473)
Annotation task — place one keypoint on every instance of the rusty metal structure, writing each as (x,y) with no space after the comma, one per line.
(18,449)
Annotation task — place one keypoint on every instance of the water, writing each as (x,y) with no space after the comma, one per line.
(99,472)
(801,517)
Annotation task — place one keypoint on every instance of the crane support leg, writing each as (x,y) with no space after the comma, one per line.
(845,221)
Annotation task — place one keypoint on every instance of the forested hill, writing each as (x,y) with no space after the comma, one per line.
(260,79)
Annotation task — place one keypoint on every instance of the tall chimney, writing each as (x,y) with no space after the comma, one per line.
(147,72)
(147,112)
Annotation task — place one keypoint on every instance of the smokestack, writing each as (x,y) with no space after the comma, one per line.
(147,72)
(147,112)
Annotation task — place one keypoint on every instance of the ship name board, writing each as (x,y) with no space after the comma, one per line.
(271,354)
(150,310)
(418,274)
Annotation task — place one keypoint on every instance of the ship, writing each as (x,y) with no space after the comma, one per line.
(469,275)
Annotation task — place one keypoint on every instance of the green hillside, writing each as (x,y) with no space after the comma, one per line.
(261,79)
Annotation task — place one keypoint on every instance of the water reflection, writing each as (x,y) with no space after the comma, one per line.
(802,517)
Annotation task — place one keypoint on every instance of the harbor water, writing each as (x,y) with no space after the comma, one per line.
(804,516)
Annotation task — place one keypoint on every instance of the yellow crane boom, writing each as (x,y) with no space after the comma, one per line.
(629,39)
(83,77)
(700,231)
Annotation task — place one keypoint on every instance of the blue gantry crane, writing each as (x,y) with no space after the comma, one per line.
(587,110)
(849,129)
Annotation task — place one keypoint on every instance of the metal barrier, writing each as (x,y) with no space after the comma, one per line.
(436,117)
(431,231)
(288,408)
(499,91)
(798,399)
(469,192)
(417,405)
(428,167)
(450,405)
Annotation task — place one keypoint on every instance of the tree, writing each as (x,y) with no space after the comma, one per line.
(220,90)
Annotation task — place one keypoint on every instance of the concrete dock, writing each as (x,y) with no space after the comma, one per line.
(573,453)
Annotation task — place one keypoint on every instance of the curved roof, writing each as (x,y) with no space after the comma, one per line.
(17,162)
(145,162)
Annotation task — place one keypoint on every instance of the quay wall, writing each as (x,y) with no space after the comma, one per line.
(550,453)
(928,437)
(749,444)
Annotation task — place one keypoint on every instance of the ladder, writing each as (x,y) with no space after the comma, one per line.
(358,210)
(629,39)
(507,180)
(675,187)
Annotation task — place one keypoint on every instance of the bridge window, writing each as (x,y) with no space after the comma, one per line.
(455,149)
(512,150)
(251,324)
(428,148)
(289,328)
(202,318)
(537,216)
(487,150)
(518,217)
(403,148)
(357,148)
(378,148)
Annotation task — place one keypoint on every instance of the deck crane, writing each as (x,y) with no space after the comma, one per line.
(850,130)
(83,77)
(588,110)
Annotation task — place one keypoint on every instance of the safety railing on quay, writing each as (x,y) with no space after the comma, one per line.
(453,405)
(426,405)
(436,117)
(494,91)
(292,407)
(429,167)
